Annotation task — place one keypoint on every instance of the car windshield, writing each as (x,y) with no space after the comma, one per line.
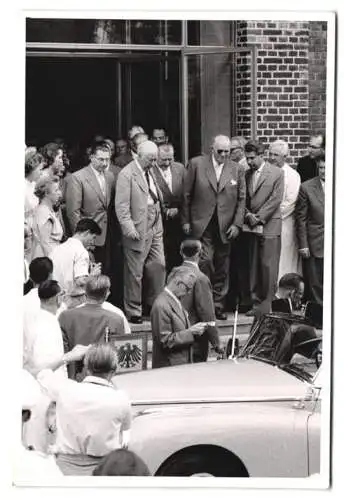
(285,341)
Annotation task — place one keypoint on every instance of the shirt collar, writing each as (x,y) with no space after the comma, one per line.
(91,379)
(98,174)
(192,262)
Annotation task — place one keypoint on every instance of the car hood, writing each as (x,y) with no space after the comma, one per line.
(226,380)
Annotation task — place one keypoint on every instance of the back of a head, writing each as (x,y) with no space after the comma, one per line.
(97,287)
(100,144)
(121,462)
(48,289)
(40,269)
(147,148)
(135,129)
(280,147)
(87,224)
(180,275)
(290,281)
(100,359)
(189,248)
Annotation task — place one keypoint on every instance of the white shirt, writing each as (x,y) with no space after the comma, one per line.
(31,306)
(256,175)
(30,201)
(110,307)
(90,415)
(45,342)
(218,168)
(151,185)
(32,468)
(70,261)
(292,183)
(167,176)
(101,180)
(322,185)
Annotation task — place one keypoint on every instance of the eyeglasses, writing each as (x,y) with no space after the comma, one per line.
(220,151)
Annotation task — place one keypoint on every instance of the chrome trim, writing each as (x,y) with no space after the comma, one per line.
(238,399)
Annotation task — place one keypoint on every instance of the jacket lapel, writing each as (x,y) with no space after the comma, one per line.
(211,173)
(93,182)
(263,175)
(179,311)
(319,190)
(139,178)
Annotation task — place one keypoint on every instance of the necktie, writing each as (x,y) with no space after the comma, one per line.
(255,178)
(102,183)
(153,195)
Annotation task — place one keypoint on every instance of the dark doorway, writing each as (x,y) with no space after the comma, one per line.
(76,98)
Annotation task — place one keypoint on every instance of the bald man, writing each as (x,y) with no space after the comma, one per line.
(289,258)
(213,212)
(139,205)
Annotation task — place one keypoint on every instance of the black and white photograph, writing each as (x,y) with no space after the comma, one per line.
(175,315)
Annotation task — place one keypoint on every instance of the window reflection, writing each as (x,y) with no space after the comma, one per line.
(209,33)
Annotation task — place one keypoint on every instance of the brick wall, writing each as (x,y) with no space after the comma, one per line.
(282,83)
(317,75)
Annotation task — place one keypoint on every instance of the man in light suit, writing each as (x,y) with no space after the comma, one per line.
(89,193)
(309,213)
(199,301)
(213,211)
(169,175)
(172,334)
(265,185)
(138,204)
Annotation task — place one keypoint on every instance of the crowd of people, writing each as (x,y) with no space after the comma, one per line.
(135,234)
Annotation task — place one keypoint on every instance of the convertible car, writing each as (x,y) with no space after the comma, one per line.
(256,415)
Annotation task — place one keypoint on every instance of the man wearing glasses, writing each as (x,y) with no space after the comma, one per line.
(213,211)
(307,165)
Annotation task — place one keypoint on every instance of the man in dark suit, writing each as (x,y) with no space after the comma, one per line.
(307,165)
(136,135)
(265,185)
(199,301)
(213,211)
(309,214)
(138,205)
(169,175)
(89,193)
(89,323)
(172,334)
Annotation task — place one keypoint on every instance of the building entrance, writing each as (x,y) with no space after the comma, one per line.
(75,98)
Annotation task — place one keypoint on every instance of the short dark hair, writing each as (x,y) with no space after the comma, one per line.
(48,289)
(320,157)
(255,147)
(101,358)
(290,281)
(32,162)
(121,462)
(87,224)
(323,138)
(40,269)
(99,145)
(49,152)
(190,247)
(97,287)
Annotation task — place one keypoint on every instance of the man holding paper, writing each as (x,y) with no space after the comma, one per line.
(264,194)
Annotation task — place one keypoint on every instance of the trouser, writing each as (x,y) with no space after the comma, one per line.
(214,262)
(99,254)
(264,252)
(147,264)
(314,277)
(173,236)
(239,272)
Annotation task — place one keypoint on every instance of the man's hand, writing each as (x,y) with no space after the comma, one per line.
(96,269)
(198,329)
(134,235)
(232,232)
(251,219)
(187,228)
(77,353)
(171,213)
(305,253)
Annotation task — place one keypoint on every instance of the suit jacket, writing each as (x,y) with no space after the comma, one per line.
(309,217)
(307,168)
(86,325)
(171,338)
(199,304)
(266,199)
(131,204)
(202,196)
(84,198)
(172,199)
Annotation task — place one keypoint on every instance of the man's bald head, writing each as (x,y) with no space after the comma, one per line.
(221,148)
(148,153)
(278,151)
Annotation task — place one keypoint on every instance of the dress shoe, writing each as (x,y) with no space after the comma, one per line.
(136,320)
(220,315)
